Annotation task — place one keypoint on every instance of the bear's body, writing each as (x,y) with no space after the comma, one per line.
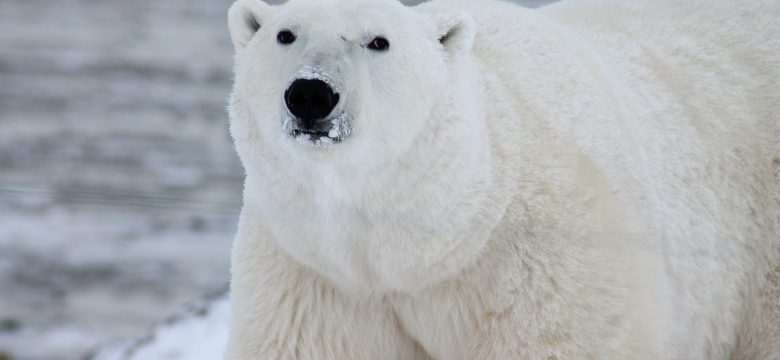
(597,180)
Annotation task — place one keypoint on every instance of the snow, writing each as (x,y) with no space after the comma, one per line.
(314,73)
(119,187)
(342,127)
(198,334)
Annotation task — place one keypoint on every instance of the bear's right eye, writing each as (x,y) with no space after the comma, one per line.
(379,44)
(285,37)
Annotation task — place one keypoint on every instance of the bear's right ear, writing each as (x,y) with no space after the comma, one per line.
(245,18)
(455,30)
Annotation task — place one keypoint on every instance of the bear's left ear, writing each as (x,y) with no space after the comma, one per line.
(455,30)
(245,18)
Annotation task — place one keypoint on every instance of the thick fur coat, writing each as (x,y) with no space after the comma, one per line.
(595,179)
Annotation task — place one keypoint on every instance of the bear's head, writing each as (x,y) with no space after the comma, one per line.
(340,80)
(361,129)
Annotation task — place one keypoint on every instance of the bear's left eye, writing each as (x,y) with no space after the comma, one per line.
(379,44)
(285,37)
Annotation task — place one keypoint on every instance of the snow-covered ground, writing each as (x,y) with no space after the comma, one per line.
(119,188)
(199,333)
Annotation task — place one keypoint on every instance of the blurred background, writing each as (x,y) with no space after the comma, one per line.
(119,187)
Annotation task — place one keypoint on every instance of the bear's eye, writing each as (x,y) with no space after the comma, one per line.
(379,44)
(285,37)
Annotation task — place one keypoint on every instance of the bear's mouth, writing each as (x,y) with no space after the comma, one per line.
(314,137)
(332,130)
(312,134)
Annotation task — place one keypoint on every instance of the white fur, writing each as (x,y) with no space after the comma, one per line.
(596,179)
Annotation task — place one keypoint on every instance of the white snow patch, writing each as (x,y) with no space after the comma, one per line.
(309,72)
(200,334)
(304,139)
(342,127)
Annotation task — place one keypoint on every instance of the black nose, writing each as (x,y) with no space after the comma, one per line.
(310,99)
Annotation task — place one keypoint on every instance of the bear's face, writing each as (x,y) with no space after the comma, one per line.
(353,77)
(341,111)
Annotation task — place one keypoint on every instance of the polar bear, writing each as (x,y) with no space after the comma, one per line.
(594,179)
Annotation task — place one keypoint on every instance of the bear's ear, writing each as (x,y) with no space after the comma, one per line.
(245,18)
(455,31)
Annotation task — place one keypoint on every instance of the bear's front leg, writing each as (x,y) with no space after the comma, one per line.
(281,310)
